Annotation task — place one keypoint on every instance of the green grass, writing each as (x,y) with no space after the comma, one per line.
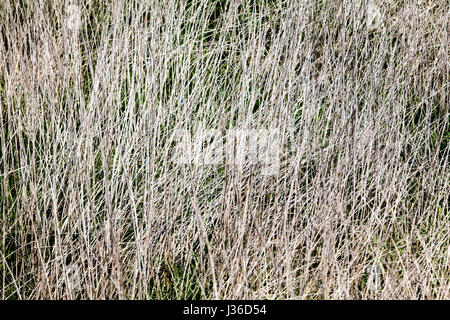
(88,183)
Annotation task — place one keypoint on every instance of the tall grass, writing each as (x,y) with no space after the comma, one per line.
(94,207)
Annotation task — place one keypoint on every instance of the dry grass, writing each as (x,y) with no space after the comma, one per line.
(93,207)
